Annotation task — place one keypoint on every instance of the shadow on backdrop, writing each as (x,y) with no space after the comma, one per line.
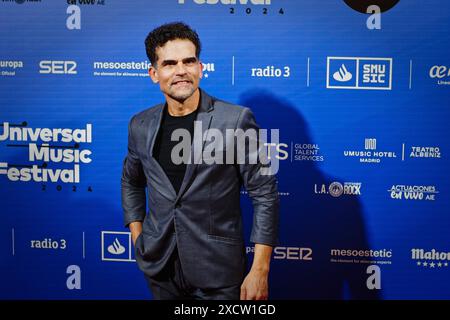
(308,220)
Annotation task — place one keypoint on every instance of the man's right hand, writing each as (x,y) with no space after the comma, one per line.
(135,229)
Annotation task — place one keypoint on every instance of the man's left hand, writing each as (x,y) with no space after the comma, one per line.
(255,286)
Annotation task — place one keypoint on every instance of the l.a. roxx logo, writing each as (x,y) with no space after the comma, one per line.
(363,5)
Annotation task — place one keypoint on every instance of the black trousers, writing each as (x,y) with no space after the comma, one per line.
(170,284)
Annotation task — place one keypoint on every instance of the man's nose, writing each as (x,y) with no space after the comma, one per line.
(180,68)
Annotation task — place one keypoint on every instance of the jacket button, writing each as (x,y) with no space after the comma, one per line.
(178,205)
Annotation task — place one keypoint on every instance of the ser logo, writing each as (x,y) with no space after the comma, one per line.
(292,253)
(57,67)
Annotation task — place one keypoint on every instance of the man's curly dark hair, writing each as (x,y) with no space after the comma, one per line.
(167,32)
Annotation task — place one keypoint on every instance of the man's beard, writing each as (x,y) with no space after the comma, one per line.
(181,97)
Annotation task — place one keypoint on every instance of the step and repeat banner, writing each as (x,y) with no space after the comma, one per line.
(360,96)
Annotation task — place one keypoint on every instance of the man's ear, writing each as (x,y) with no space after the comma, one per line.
(153,73)
(201,69)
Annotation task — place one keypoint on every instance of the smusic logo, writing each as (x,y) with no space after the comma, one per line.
(359,73)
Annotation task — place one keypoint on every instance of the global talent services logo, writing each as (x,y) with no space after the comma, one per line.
(413,192)
(432,259)
(370,153)
(45,146)
(359,73)
(307,152)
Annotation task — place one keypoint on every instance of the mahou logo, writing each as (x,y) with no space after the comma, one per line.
(432,259)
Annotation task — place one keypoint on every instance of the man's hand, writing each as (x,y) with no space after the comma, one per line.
(255,286)
(256,283)
(135,229)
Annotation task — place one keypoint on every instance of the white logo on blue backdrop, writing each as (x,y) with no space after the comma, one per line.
(116,246)
(359,73)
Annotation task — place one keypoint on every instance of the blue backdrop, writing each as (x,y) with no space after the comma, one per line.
(363,145)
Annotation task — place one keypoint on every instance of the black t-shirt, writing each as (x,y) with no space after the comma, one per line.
(164,145)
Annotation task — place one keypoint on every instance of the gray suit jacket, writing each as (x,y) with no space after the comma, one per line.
(204,219)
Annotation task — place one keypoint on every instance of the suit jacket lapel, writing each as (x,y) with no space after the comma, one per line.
(204,116)
(153,129)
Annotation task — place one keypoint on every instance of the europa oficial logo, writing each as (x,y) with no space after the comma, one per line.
(359,73)
(45,147)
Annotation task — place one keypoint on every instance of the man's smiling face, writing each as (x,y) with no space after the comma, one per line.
(177,69)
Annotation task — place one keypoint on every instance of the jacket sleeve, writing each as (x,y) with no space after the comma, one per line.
(262,189)
(133,182)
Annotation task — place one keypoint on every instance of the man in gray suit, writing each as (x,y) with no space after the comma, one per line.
(190,244)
